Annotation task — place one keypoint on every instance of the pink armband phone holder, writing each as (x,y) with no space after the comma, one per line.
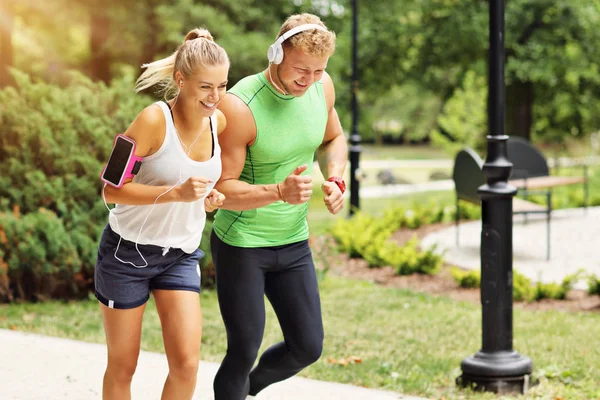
(122,163)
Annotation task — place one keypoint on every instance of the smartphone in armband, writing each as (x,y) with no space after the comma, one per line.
(122,163)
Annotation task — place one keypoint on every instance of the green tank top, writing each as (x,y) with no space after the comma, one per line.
(288,132)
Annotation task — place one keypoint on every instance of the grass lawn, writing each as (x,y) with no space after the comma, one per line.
(404,174)
(398,152)
(410,343)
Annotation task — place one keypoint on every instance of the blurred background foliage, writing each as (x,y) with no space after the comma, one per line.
(422,62)
(67,69)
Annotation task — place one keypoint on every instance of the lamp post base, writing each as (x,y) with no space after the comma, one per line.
(498,372)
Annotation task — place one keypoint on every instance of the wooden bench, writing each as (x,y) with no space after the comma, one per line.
(530,170)
(468,177)
(530,174)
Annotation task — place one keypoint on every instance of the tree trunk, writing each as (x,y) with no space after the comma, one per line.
(519,107)
(378,137)
(150,48)
(99,34)
(151,40)
(6,51)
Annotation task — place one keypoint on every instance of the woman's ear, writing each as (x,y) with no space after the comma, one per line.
(179,79)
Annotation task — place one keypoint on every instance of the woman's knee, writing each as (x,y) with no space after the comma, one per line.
(185,369)
(121,368)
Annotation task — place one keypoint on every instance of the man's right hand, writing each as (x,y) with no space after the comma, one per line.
(296,188)
(192,189)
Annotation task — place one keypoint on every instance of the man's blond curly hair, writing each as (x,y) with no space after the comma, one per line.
(312,42)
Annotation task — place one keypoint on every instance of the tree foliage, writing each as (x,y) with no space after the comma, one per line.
(552,72)
(54,142)
(423,75)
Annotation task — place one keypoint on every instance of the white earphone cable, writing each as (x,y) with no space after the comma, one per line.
(179,181)
(273,82)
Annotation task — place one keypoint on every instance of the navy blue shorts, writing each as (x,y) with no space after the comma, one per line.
(123,286)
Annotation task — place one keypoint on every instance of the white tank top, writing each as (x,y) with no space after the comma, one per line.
(173,224)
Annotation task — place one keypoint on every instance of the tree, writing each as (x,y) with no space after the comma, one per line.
(99,34)
(110,25)
(6,51)
(46,36)
(463,117)
(551,69)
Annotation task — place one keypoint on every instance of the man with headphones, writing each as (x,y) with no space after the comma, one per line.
(277,120)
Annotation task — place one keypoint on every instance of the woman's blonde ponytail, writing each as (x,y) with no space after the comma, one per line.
(197,50)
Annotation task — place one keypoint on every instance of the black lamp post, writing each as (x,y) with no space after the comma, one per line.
(496,367)
(355,146)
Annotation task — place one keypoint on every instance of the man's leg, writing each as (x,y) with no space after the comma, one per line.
(293,292)
(240,290)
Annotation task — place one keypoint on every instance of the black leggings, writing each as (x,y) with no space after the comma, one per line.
(286,274)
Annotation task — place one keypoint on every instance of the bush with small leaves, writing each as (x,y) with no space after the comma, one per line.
(54,142)
(466,279)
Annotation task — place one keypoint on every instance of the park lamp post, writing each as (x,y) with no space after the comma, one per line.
(496,367)
(355,147)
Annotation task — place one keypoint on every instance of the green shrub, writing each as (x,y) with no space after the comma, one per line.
(362,233)
(54,142)
(526,291)
(549,291)
(408,259)
(593,285)
(368,237)
(40,260)
(468,211)
(466,279)
(557,291)
(523,289)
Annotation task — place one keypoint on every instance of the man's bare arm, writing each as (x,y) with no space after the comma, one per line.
(234,140)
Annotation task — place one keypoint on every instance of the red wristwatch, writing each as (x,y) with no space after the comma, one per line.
(338,181)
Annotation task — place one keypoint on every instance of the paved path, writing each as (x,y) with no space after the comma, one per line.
(574,238)
(34,367)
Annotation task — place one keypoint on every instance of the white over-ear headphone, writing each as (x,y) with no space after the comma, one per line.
(275,52)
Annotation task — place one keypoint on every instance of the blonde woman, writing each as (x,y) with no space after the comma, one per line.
(150,243)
